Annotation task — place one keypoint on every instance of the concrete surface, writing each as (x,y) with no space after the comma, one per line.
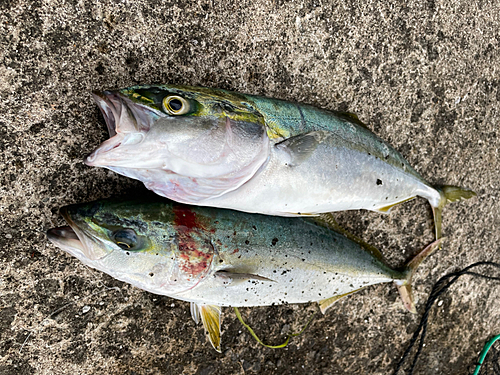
(424,76)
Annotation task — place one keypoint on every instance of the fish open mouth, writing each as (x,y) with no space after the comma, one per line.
(110,105)
(75,240)
(66,239)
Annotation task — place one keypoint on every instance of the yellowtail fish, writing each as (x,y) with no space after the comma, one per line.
(212,147)
(213,257)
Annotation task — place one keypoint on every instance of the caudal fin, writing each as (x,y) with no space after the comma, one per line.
(404,286)
(448,194)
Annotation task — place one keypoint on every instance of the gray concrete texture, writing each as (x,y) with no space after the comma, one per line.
(424,76)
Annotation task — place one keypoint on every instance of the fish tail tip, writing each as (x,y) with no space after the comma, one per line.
(404,286)
(452,193)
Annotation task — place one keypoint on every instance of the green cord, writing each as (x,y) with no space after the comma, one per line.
(260,341)
(482,356)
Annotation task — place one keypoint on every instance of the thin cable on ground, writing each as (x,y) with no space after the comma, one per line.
(254,335)
(441,286)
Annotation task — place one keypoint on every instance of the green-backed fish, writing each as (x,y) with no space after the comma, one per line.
(212,147)
(214,257)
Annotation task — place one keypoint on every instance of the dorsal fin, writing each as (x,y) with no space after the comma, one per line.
(329,222)
(352,117)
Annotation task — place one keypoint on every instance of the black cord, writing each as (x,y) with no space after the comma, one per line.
(441,286)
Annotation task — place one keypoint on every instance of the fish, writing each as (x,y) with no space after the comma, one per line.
(212,147)
(216,258)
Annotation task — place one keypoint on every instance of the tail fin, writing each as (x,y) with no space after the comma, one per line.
(448,194)
(404,286)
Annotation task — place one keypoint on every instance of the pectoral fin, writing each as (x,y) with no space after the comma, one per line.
(210,317)
(231,277)
(326,303)
(300,147)
(195,312)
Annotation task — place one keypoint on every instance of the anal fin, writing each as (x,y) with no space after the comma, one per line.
(387,209)
(326,303)
(210,317)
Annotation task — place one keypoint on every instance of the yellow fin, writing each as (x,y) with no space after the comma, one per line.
(387,209)
(326,303)
(210,316)
(448,194)
(352,117)
(329,222)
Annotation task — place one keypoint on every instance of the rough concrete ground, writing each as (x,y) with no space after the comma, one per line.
(424,76)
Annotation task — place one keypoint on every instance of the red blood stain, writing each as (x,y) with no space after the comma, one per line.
(235,251)
(183,216)
(195,250)
(194,258)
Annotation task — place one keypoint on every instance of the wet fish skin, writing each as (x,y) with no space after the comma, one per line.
(213,257)
(256,154)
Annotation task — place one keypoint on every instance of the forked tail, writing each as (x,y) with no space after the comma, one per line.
(404,286)
(448,194)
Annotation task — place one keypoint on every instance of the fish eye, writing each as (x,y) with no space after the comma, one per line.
(175,105)
(125,238)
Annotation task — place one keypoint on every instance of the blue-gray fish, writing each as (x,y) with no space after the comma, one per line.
(212,147)
(213,257)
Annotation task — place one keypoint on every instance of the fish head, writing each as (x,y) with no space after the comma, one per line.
(135,243)
(161,133)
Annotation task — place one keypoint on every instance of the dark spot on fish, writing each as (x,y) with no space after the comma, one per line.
(386,157)
(234,233)
(221,261)
(303,260)
(274,241)
(247,242)
(254,227)
(151,274)
(127,253)
(369,154)
(379,181)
